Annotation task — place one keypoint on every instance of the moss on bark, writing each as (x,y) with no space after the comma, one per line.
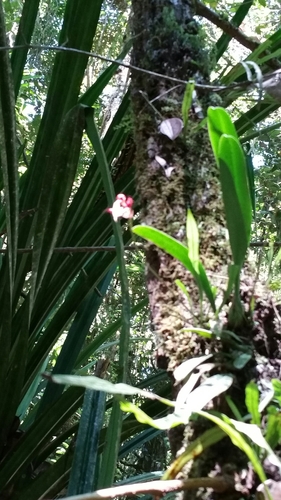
(168,41)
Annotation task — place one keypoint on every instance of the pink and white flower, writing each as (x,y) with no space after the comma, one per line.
(122,207)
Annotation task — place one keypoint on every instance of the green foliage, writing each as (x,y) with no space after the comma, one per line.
(53,200)
(181,253)
(234,183)
(55,314)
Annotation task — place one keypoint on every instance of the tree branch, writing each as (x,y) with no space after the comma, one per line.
(226,26)
(218,484)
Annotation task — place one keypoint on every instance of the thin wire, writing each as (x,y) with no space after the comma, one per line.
(131,248)
(70,250)
(61,48)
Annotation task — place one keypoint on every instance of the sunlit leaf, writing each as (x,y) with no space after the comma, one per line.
(99,384)
(252,402)
(187,101)
(184,369)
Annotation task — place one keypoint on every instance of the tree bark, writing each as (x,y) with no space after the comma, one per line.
(168,40)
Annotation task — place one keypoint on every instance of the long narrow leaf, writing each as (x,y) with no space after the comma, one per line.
(114,430)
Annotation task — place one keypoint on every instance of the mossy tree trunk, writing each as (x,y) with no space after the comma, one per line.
(167,40)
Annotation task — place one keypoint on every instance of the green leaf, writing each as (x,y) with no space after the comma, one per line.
(233,277)
(23,37)
(187,101)
(252,402)
(209,291)
(164,423)
(236,20)
(233,175)
(181,253)
(55,193)
(273,427)
(167,243)
(276,384)
(236,196)
(219,123)
(251,177)
(85,461)
(183,288)
(241,359)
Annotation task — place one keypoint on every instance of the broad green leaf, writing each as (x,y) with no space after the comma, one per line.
(219,123)
(236,196)
(252,402)
(233,175)
(167,243)
(179,252)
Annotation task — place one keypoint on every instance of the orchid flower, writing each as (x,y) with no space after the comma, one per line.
(122,207)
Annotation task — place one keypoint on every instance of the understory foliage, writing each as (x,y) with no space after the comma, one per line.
(122,346)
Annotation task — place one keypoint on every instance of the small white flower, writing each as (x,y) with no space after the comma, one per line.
(171,127)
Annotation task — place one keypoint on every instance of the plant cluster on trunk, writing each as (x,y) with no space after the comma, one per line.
(173,174)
